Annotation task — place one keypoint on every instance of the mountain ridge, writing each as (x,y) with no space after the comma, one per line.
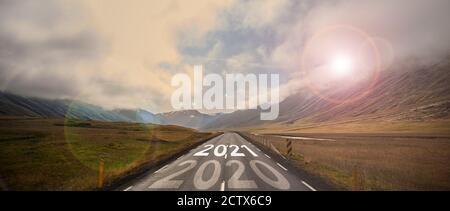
(404,93)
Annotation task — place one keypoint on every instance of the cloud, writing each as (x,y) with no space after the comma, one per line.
(401,30)
(270,36)
(105,54)
(39,46)
(413,27)
(143,54)
(123,54)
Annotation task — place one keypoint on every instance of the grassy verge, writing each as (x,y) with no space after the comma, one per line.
(375,161)
(54,154)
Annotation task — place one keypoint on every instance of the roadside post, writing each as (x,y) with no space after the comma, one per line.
(357,179)
(101,173)
(289,148)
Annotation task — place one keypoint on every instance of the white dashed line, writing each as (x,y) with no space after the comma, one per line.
(309,186)
(267,155)
(129,188)
(222,186)
(306,138)
(161,169)
(282,167)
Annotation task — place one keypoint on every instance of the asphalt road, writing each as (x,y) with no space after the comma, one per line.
(225,163)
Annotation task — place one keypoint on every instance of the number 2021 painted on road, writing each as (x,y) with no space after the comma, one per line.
(234,182)
(221,150)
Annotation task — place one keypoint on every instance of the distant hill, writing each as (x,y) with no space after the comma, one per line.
(15,105)
(139,115)
(187,118)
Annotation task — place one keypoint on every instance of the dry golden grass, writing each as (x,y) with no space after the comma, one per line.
(385,161)
(359,126)
(56,154)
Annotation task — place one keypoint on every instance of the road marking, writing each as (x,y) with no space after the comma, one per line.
(283,157)
(249,150)
(161,168)
(226,155)
(222,186)
(258,149)
(180,157)
(129,188)
(309,186)
(282,166)
(275,149)
(306,138)
(267,155)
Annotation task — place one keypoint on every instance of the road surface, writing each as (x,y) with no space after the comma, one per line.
(225,163)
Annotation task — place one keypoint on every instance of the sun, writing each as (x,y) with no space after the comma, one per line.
(341,65)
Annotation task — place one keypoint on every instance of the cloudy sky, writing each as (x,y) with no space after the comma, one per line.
(123,54)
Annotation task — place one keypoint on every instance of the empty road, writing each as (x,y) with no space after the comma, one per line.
(225,163)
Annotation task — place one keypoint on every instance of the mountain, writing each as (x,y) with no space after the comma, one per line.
(187,118)
(139,115)
(15,105)
(408,92)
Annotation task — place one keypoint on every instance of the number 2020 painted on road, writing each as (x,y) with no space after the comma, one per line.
(221,150)
(234,182)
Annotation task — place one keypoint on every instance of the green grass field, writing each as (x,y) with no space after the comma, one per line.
(57,154)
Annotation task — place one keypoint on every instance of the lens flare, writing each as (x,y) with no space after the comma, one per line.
(336,69)
(342,66)
(90,141)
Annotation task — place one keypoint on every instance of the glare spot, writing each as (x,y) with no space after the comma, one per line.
(342,66)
